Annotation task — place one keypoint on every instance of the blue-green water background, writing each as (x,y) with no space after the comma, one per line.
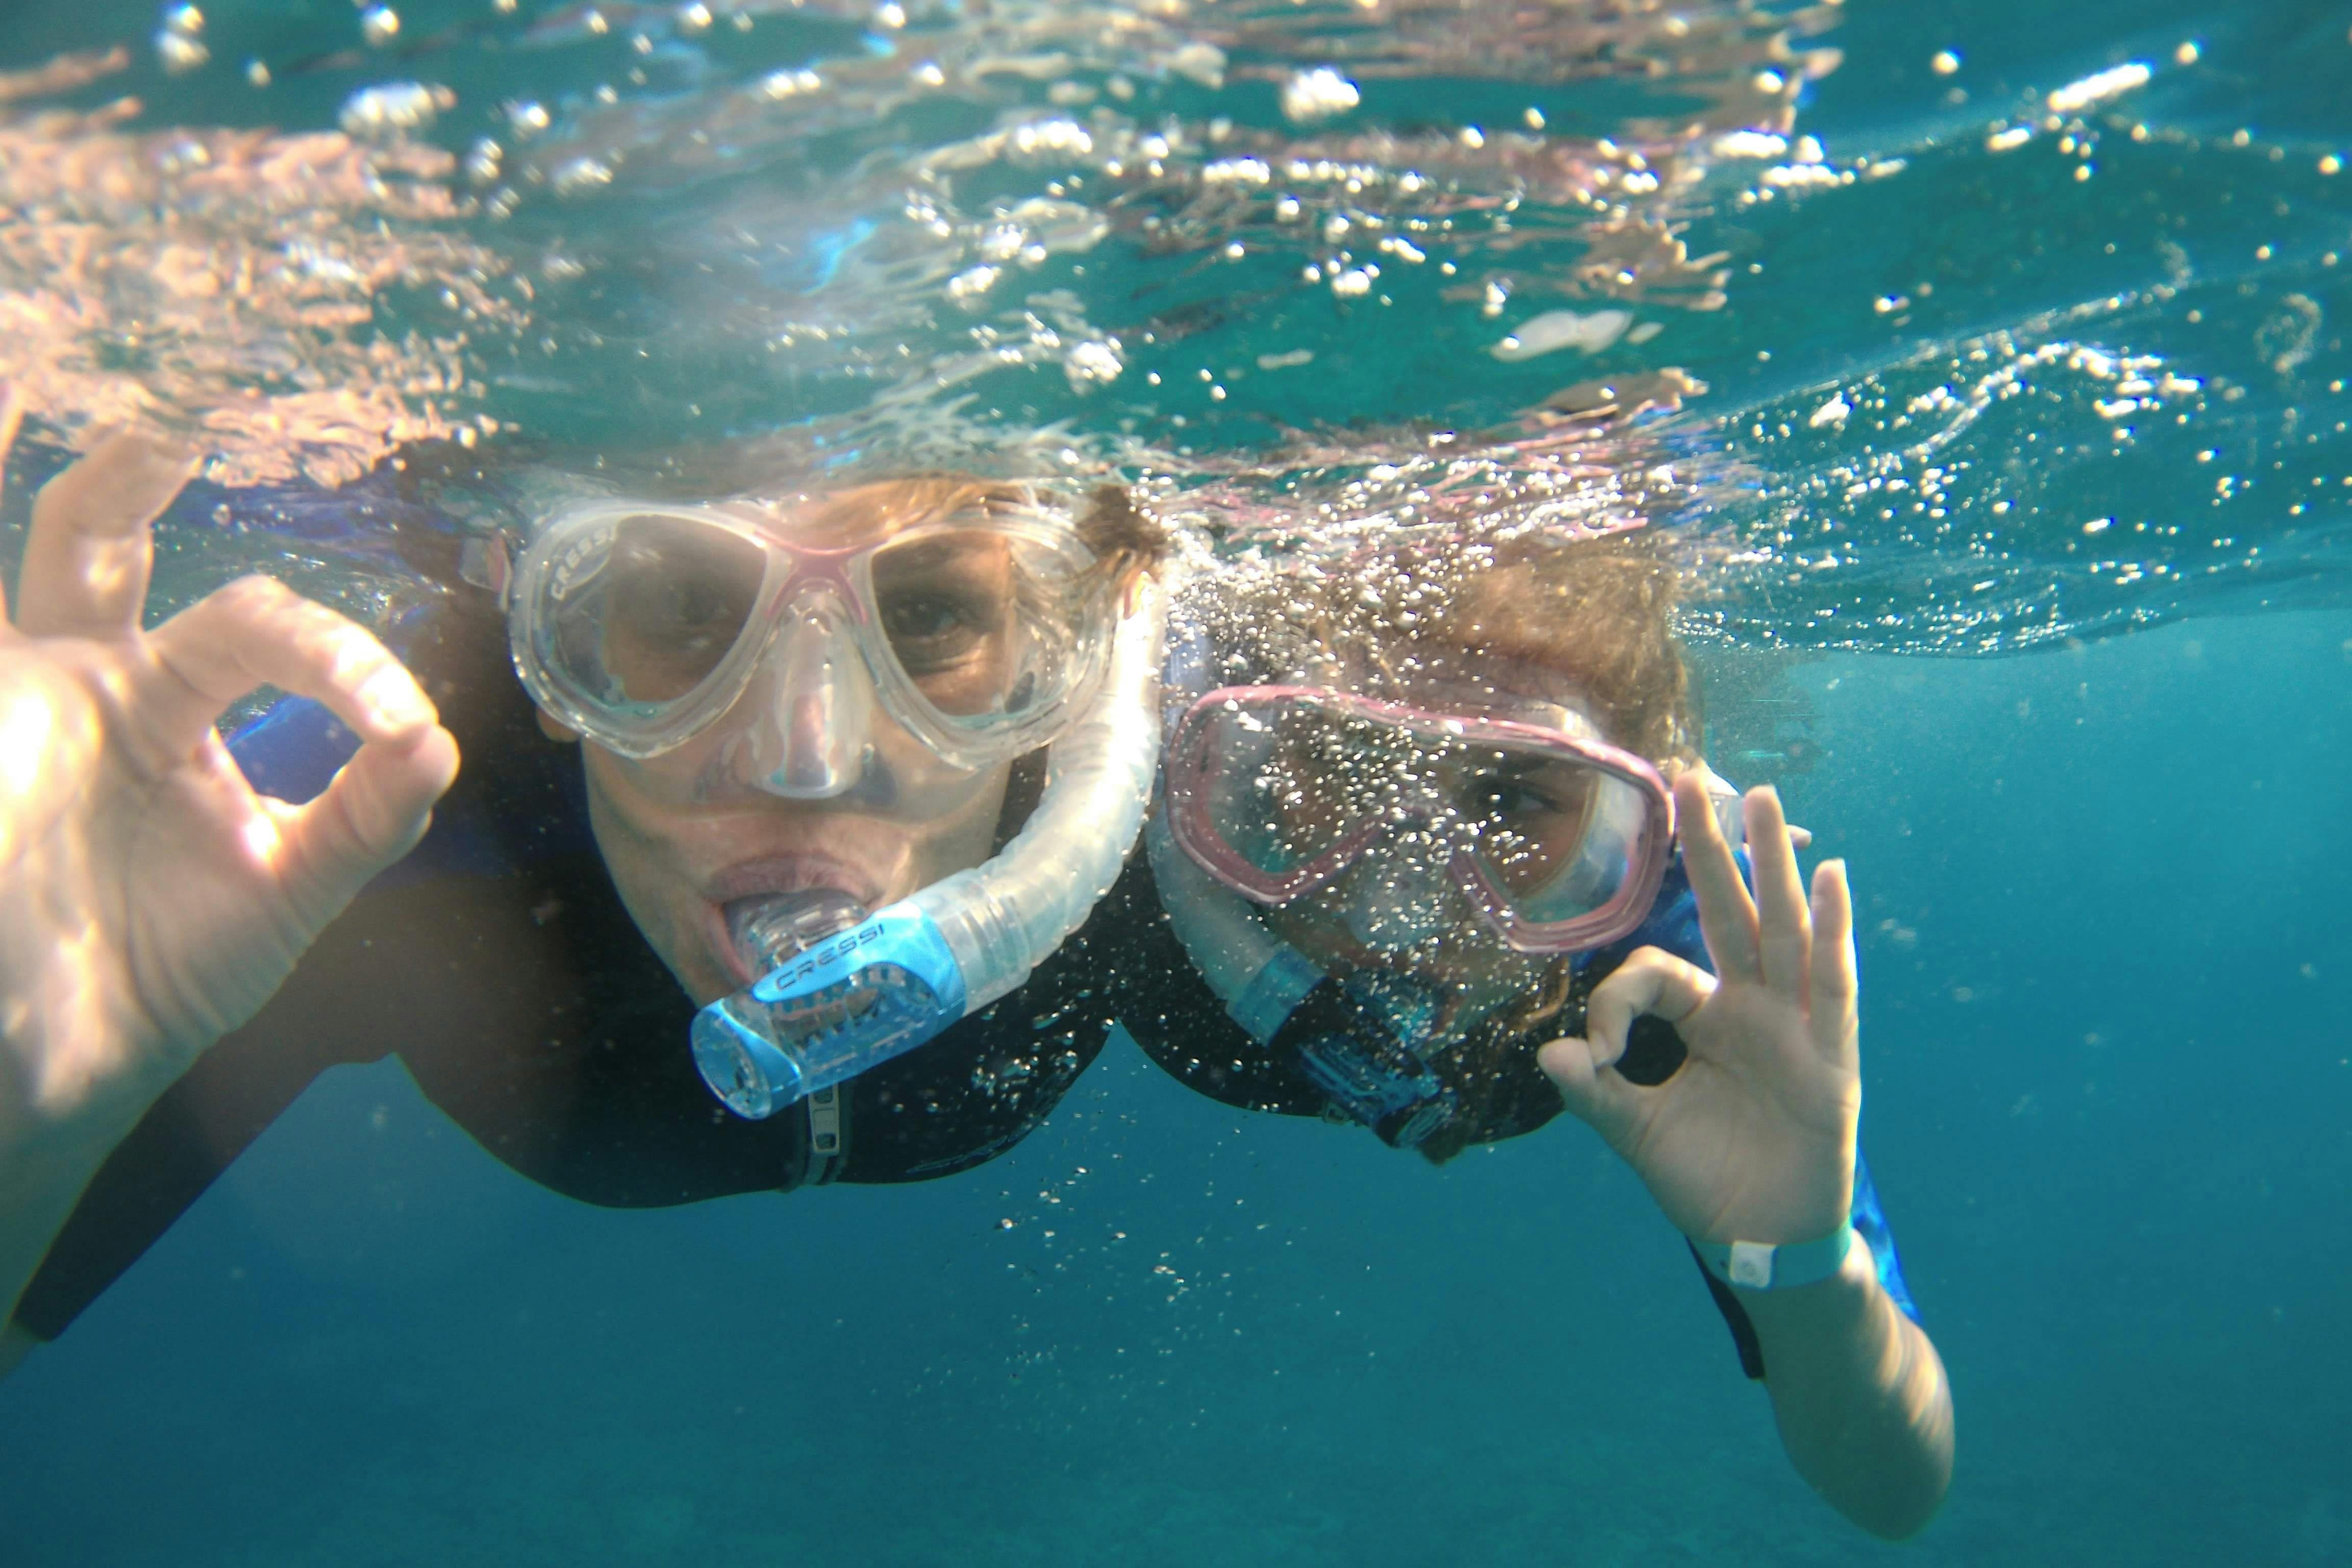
(2118,1169)
(2109,1084)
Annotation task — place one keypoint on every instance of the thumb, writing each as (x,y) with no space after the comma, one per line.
(1598,1095)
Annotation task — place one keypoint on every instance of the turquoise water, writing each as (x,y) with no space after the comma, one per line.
(2118,1169)
(2092,808)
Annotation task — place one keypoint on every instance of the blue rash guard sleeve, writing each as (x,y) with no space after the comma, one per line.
(1673,927)
(293,749)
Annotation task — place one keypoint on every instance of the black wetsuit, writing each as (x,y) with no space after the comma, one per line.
(499,964)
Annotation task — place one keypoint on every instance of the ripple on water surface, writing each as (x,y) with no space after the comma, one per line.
(2015,368)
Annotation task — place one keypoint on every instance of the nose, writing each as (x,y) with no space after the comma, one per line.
(811,736)
(1393,904)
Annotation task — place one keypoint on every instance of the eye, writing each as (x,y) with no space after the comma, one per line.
(680,589)
(1502,792)
(682,609)
(671,621)
(923,617)
(692,604)
(1501,795)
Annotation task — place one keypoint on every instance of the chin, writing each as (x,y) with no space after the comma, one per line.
(703,974)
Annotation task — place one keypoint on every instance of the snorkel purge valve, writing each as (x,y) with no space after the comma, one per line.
(852,999)
(826,1014)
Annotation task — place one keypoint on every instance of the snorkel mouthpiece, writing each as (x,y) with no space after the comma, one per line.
(826,1013)
(1361,1041)
(769,928)
(834,1003)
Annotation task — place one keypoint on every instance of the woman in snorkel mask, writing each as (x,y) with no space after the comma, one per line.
(1440,851)
(894,736)
(806,712)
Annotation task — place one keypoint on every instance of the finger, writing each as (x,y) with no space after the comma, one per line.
(1652,981)
(12,415)
(1592,1090)
(1784,934)
(1802,837)
(258,632)
(1727,917)
(1834,982)
(373,812)
(90,549)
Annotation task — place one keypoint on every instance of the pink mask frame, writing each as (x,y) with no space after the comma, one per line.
(1189,768)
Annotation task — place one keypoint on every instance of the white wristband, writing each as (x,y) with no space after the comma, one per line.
(1760,1265)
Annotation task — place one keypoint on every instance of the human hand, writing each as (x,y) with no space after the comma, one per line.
(149,900)
(1753,1140)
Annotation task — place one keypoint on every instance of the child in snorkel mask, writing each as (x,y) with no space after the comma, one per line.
(754,720)
(1443,858)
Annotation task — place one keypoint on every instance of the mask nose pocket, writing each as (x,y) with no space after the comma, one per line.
(815,704)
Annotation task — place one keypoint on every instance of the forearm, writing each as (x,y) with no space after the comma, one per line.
(16,1343)
(1860,1395)
(51,1145)
(40,1183)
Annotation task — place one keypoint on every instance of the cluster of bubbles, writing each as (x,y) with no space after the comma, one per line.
(1318,274)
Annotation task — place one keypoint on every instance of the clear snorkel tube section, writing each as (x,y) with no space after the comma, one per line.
(1259,977)
(856,997)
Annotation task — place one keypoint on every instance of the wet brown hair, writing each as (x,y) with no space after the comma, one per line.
(1601,612)
(1126,540)
(1598,612)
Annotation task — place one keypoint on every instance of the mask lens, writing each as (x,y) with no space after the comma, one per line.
(1525,811)
(984,622)
(634,612)
(1286,784)
(677,597)
(1559,839)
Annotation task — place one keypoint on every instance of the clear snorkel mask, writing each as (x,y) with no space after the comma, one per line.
(980,631)
(986,632)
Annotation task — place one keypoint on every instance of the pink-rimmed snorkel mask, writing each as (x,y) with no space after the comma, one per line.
(1556,838)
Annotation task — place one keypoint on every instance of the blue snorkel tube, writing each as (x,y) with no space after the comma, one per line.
(857,998)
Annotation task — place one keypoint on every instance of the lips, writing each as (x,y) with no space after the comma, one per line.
(793,873)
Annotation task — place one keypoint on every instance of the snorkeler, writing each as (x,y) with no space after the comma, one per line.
(1445,860)
(916,708)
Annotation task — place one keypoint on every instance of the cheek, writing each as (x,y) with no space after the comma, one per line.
(960,835)
(623,816)
(652,887)
(1318,928)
